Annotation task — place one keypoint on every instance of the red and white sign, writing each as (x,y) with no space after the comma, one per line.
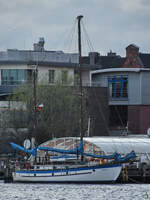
(39,107)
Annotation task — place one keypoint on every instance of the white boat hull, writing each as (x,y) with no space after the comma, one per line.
(83,174)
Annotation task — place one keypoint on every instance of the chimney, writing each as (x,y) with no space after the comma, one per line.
(40,45)
(93,56)
(111,54)
(132,50)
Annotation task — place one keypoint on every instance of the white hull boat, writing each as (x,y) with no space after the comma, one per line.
(82,169)
(89,174)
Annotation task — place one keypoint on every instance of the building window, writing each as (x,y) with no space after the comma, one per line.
(118,86)
(76,78)
(13,76)
(64,76)
(51,76)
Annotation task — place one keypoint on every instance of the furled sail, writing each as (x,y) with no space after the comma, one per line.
(113,156)
(117,157)
(126,158)
(30,151)
(77,150)
(65,156)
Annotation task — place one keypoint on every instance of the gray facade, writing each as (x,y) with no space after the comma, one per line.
(133,104)
(138,84)
(13,61)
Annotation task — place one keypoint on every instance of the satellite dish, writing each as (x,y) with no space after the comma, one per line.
(27,144)
(148,132)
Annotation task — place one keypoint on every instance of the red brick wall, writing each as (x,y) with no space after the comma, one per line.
(134,119)
(131,61)
(138,119)
(144,118)
(131,50)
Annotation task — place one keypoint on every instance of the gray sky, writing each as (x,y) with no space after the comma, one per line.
(110,24)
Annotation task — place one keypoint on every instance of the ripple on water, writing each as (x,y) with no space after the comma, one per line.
(74,191)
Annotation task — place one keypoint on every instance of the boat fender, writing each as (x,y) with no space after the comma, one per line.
(100,162)
(89,159)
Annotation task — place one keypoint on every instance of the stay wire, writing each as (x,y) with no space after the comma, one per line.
(103,117)
(100,110)
(119,116)
(89,43)
(68,42)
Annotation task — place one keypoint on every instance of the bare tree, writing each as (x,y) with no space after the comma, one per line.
(59,116)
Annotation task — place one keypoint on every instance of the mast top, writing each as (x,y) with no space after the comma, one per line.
(79,17)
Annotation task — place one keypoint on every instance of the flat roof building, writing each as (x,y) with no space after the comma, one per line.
(128,91)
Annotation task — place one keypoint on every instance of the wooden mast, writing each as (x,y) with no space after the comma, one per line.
(80,79)
(34,136)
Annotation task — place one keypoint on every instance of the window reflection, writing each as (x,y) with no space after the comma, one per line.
(118,86)
(13,76)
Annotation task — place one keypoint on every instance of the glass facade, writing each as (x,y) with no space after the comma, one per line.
(118,87)
(13,76)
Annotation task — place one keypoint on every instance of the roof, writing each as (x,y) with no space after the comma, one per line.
(145,58)
(49,56)
(104,62)
(112,61)
(133,45)
(119,70)
(123,144)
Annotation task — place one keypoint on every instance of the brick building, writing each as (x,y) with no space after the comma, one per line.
(128,90)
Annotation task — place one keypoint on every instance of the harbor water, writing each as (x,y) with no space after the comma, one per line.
(14,191)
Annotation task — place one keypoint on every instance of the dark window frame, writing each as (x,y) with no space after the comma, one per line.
(118,86)
(64,76)
(51,76)
(13,76)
